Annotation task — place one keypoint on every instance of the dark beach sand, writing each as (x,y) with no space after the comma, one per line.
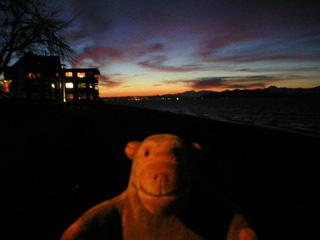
(56,162)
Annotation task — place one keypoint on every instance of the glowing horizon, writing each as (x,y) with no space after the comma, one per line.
(156,48)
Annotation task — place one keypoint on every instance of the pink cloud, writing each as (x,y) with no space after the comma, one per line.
(106,81)
(99,55)
(157,47)
(257,57)
(229,31)
(104,55)
(271,45)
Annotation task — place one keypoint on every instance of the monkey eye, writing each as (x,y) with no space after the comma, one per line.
(146,153)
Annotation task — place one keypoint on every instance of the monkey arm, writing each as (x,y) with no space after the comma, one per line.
(101,221)
(239,229)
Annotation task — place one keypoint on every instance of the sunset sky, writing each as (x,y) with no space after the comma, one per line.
(169,46)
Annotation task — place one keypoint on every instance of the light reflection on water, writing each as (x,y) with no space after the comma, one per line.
(291,114)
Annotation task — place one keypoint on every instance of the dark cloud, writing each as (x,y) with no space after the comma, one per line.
(249,82)
(247,86)
(279,69)
(275,24)
(164,18)
(135,52)
(207,83)
(245,82)
(76,35)
(93,17)
(157,63)
(286,49)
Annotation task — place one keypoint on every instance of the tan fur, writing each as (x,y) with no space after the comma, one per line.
(164,200)
(239,229)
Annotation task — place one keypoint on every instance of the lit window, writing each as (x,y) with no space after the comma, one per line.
(69,85)
(33,75)
(69,74)
(82,85)
(82,96)
(90,85)
(6,85)
(53,85)
(81,74)
(70,96)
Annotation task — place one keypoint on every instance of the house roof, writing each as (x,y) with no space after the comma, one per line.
(94,70)
(31,59)
(40,63)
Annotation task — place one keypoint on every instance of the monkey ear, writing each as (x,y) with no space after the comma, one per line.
(197,145)
(131,149)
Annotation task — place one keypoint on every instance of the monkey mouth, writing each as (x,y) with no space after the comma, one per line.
(163,204)
(172,193)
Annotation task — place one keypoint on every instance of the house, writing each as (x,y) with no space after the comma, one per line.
(37,77)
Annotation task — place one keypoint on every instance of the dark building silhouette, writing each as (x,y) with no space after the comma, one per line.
(37,77)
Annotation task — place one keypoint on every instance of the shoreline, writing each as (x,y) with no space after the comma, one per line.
(190,108)
(56,157)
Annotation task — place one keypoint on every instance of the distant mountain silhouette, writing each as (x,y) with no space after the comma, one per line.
(272,91)
(191,94)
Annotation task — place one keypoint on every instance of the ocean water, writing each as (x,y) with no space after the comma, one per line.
(294,114)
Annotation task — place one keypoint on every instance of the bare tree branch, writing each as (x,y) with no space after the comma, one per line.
(32,25)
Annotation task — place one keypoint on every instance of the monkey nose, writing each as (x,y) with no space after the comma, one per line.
(163,182)
(161,177)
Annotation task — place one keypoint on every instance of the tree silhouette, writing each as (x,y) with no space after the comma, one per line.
(32,25)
